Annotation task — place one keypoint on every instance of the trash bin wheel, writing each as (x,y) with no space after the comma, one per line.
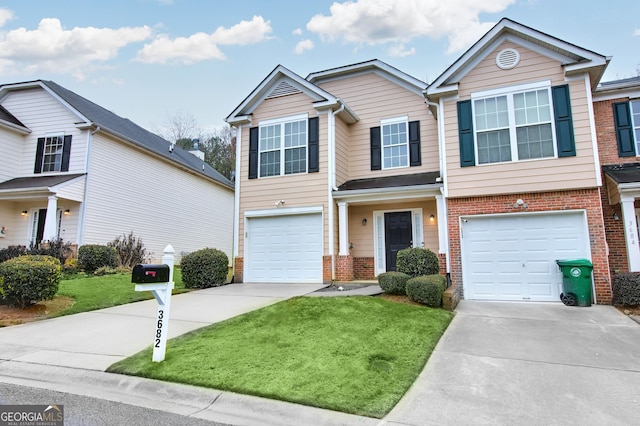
(569,299)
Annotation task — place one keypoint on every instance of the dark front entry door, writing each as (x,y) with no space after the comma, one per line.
(42,216)
(398,235)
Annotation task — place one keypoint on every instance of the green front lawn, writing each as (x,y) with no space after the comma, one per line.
(353,354)
(92,292)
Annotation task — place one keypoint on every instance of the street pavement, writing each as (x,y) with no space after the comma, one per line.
(497,363)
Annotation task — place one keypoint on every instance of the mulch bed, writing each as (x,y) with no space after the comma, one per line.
(13,316)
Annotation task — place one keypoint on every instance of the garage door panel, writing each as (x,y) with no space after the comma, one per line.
(284,249)
(512,257)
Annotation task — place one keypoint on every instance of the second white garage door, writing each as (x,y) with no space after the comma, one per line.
(512,257)
(284,249)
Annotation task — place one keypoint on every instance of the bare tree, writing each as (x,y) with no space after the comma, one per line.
(179,126)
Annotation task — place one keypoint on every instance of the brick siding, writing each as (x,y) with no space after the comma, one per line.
(363,268)
(238,269)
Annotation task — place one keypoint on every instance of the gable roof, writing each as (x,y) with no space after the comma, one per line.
(623,88)
(95,116)
(374,65)
(282,81)
(573,58)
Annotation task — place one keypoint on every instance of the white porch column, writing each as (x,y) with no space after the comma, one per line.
(51,224)
(343,226)
(631,232)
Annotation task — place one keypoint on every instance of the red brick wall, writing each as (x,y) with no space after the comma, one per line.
(608,152)
(363,268)
(442,263)
(238,270)
(327,273)
(587,199)
(344,268)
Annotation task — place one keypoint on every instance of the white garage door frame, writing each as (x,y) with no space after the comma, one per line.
(582,250)
(283,213)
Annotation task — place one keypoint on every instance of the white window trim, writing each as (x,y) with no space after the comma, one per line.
(634,126)
(379,243)
(282,121)
(60,135)
(513,141)
(388,121)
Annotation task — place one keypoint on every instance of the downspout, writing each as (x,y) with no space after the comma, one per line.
(83,207)
(443,174)
(332,182)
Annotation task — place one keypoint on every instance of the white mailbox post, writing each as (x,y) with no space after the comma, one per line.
(145,276)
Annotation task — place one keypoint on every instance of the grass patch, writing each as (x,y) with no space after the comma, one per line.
(98,292)
(357,355)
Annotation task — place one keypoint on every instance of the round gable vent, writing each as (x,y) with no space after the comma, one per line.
(507,59)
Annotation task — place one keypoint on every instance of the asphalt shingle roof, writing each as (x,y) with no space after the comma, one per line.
(37,182)
(623,173)
(428,178)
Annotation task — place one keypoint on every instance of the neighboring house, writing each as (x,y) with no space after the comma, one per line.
(617,115)
(74,170)
(494,166)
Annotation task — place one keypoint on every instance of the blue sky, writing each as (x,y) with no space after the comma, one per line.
(150,60)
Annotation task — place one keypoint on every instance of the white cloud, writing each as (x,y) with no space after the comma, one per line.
(399,21)
(51,48)
(636,32)
(399,51)
(201,46)
(5,15)
(302,46)
(297,31)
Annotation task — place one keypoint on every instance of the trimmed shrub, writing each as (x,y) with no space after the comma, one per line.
(204,268)
(56,248)
(11,252)
(393,282)
(70,266)
(29,279)
(129,250)
(417,262)
(427,289)
(94,256)
(626,289)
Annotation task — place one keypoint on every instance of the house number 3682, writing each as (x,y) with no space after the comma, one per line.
(159,327)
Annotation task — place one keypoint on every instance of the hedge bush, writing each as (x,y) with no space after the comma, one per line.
(204,268)
(417,262)
(11,252)
(56,248)
(129,250)
(94,256)
(393,282)
(427,289)
(29,279)
(626,289)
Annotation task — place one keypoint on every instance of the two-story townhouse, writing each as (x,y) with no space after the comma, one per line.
(520,164)
(74,170)
(617,115)
(336,172)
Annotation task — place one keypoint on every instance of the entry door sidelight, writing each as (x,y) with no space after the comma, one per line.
(398,235)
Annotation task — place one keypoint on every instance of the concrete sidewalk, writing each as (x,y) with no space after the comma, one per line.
(95,340)
(529,364)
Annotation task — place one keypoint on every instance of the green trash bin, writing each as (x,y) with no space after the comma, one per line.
(576,281)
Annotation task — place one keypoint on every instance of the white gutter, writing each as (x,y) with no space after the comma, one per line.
(236,196)
(83,206)
(331,181)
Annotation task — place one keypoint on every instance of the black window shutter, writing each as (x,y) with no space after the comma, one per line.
(564,121)
(66,153)
(39,153)
(253,152)
(314,136)
(465,134)
(376,148)
(624,129)
(414,144)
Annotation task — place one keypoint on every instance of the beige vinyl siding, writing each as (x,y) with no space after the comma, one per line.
(520,176)
(612,190)
(361,236)
(10,218)
(73,191)
(44,115)
(297,190)
(343,132)
(10,154)
(130,190)
(374,98)
(69,227)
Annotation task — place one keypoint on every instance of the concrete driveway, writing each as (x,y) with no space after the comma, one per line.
(95,340)
(529,364)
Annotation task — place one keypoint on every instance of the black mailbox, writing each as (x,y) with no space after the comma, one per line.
(145,274)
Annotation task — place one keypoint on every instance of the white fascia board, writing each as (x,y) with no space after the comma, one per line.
(631,186)
(385,194)
(283,211)
(616,93)
(239,120)
(15,127)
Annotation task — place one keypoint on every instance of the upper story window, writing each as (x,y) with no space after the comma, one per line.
(519,123)
(283,143)
(395,143)
(626,116)
(52,154)
(515,125)
(284,147)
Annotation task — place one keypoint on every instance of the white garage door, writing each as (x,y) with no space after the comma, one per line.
(284,249)
(513,257)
